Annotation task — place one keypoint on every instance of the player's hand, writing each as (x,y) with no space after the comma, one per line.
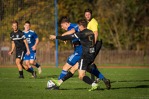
(65,42)
(63,34)
(52,37)
(34,48)
(10,52)
(28,52)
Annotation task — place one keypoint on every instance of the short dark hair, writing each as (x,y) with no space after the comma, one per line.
(15,22)
(28,22)
(82,22)
(88,10)
(64,19)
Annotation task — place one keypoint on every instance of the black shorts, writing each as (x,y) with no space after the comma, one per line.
(20,54)
(85,61)
(98,46)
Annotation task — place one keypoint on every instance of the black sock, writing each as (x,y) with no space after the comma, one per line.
(21,73)
(29,70)
(87,80)
(67,76)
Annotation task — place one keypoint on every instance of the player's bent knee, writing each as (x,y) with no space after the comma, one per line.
(81,77)
(32,63)
(18,63)
(73,70)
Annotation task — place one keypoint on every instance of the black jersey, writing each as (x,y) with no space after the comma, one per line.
(86,38)
(18,38)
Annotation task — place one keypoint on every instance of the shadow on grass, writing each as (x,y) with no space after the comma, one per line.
(52,76)
(130,81)
(139,86)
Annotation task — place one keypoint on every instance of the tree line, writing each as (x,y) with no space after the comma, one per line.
(124,24)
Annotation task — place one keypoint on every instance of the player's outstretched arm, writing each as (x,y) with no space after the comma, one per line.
(67,37)
(52,37)
(69,32)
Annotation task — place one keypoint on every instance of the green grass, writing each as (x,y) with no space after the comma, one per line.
(126,84)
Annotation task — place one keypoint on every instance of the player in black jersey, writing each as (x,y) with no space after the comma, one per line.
(87,40)
(20,43)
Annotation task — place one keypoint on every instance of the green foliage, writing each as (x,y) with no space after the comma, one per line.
(123,23)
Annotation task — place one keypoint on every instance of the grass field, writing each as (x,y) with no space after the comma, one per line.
(127,83)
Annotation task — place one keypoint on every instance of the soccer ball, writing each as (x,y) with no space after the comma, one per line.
(50,84)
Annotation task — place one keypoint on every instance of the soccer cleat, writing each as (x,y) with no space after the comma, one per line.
(94,87)
(39,70)
(53,88)
(55,82)
(21,76)
(34,74)
(107,83)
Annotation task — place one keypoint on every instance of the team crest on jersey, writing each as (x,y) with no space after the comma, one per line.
(29,35)
(17,36)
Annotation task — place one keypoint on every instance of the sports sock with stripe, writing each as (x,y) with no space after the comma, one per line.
(96,72)
(62,74)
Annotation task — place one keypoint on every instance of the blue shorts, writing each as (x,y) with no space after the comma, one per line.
(76,56)
(32,56)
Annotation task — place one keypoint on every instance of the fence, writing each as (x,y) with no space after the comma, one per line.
(46,56)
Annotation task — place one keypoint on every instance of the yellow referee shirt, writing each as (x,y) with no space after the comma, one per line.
(93,25)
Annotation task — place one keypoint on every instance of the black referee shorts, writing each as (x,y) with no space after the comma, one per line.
(20,53)
(98,46)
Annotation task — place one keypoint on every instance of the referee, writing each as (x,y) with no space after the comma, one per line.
(94,26)
(19,42)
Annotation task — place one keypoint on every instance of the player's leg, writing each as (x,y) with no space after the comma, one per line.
(19,58)
(71,61)
(94,70)
(66,67)
(28,65)
(18,63)
(82,76)
(38,67)
(98,46)
(34,63)
(69,74)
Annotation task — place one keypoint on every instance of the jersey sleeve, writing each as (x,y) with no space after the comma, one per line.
(73,26)
(76,28)
(35,35)
(67,37)
(11,38)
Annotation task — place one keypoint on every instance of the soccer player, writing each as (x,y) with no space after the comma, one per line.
(76,55)
(86,38)
(19,42)
(94,26)
(33,41)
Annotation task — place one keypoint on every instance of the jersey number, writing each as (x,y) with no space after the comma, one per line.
(28,40)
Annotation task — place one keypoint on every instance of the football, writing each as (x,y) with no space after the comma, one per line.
(50,84)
